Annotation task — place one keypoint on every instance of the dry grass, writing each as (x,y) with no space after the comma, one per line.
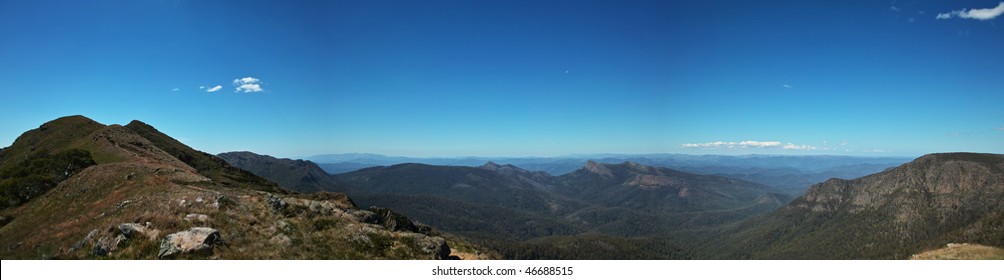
(104,196)
(962,252)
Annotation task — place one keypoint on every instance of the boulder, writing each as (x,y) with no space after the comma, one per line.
(277,204)
(196,240)
(197,218)
(134,230)
(107,245)
(434,246)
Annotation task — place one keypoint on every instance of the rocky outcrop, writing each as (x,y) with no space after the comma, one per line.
(196,240)
(134,230)
(106,245)
(434,246)
(393,221)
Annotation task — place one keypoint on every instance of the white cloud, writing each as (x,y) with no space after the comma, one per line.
(247,80)
(249,88)
(760,144)
(213,89)
(979,14)
(1000,128)
(175,89)
(791,146)
(247,84)
(894,8)
(786,86)
(748,144)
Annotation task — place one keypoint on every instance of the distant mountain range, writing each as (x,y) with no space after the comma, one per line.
(74,188)
(896,213)
(505,207)
(791,174)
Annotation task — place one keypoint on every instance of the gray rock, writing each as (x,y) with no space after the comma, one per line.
(203,218)
(434,246)
(196,240)
(106,245)
(134,230)
(86,240)
(277,204)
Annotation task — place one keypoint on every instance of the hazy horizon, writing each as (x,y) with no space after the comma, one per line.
(516,78)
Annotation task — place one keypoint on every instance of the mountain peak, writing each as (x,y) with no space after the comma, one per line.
(138,123)
(74,119)
(598,168)
(991,159)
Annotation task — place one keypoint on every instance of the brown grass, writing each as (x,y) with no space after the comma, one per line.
(962,252)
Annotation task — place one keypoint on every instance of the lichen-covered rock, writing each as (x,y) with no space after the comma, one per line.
(196,240)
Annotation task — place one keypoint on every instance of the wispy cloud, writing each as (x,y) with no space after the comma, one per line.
(786,86)
(1000,128)
(212,89)
(748,144)
(248,84)
(175,89)
(979,14)
(791,146)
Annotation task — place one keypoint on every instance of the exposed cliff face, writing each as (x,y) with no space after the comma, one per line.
(942,187)
(933,200)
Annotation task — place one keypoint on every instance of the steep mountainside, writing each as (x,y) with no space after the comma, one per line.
(479,185)
(933,200)
(627,202)
(465,200)
(298,175)
(637,186)
(138,194)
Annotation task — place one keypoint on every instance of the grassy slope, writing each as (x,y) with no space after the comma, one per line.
(208,165)
(962,252)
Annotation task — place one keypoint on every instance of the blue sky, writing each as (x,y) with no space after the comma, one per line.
(516,78)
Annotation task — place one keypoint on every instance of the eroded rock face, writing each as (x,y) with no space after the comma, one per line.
(196,240)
